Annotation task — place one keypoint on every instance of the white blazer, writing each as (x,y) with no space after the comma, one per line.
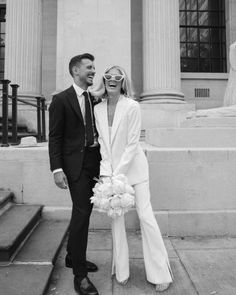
(121,152)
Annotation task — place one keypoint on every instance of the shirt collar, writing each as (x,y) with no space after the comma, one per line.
(79,91)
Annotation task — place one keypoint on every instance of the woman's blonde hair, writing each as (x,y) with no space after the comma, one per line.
(99,90)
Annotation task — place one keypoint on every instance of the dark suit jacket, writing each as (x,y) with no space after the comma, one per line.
(66,133)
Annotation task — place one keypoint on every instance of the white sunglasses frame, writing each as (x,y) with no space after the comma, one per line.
(113,77)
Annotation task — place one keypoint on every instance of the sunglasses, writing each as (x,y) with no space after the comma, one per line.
(117,78)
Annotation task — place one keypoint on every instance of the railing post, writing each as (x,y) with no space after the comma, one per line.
(5,112)
(14,112)
(39,118)
(43,118)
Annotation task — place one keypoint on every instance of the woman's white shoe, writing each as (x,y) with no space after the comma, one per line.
(162,287)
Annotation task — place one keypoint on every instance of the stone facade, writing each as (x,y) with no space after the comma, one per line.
(115,33)
(191,169)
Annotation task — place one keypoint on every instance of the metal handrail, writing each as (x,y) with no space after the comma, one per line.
(29,103)
(41,108)
(5,113)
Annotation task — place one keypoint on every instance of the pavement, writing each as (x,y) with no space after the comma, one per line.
(201,266)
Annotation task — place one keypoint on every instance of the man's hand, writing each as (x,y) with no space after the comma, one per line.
(60,179)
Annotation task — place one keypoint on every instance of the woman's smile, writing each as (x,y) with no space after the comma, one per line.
(112,84)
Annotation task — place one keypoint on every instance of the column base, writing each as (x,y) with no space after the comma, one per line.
(156,115)
(162,97)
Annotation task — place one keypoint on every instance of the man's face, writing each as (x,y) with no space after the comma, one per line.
(85,72)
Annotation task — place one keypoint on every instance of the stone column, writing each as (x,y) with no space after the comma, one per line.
(23,55)
(161,52)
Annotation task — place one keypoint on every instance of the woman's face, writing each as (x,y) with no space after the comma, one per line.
(113,82)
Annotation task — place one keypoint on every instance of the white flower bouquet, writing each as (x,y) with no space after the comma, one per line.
(113,195)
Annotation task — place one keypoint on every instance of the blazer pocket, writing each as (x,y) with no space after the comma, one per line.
(68,150)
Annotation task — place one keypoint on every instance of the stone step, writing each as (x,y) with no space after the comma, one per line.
(1,120)
(30,271)
(19,136)
(16,223)
(209,122)
(19,128)
(192,137)
(22,130)
(24,279)
(5,197)
(44,243)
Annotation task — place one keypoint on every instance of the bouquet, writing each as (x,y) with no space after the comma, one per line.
(113,195)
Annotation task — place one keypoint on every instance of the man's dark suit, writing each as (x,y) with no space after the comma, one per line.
(80,164)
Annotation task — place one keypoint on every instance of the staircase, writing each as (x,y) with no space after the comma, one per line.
(29,246)
(22,131)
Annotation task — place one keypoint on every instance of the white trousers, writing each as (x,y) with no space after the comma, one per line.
(154,252)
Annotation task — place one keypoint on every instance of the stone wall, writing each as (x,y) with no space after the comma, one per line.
(192,190)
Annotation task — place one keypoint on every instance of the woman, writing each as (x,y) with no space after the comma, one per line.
(118,122)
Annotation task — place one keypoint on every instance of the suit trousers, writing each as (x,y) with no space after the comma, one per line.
(155,255)
(81,191)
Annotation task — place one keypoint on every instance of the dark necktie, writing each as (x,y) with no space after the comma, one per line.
(88,120)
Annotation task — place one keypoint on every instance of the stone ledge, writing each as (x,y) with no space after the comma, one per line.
(212,122)
(172,223)
(192,137)
(181,180)
(197,223)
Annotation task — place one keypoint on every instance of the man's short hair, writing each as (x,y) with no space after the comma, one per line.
(77,59)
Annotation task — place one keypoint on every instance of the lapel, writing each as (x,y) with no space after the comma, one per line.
(103,122)
(119,112)
(73,100)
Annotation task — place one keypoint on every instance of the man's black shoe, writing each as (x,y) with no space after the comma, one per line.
(84,287)
(91,267)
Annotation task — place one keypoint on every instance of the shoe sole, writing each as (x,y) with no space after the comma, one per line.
(79,293)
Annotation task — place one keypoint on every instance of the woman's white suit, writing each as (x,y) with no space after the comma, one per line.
(122,154)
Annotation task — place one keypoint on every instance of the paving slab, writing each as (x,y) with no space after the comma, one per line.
(101,279)
(204,243)
(44,242)
(24,279)
(100,240)
(136,248)
(170,249)
(62,277)
(61,282)
(202,267)
(138,284)
(182,284)
(211,271)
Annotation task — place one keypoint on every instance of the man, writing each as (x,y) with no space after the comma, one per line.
(74,160)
